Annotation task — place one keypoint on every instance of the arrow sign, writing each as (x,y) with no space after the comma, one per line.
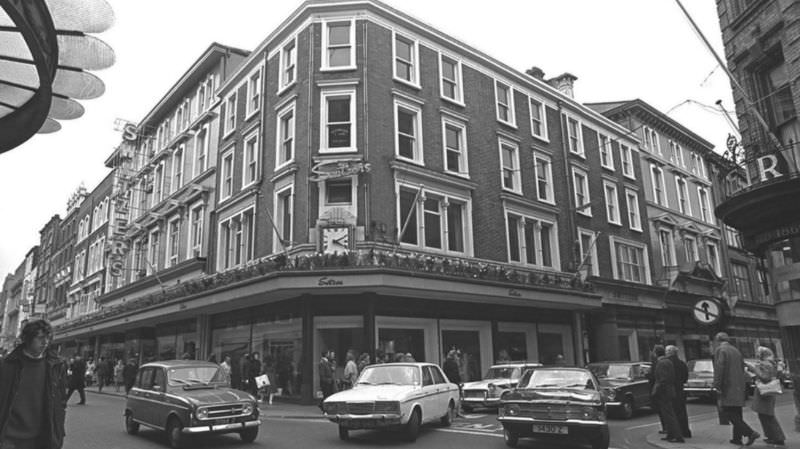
(706,311)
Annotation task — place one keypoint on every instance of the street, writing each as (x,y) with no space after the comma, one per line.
(98,425)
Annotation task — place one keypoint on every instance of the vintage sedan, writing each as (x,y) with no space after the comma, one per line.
(400,396)
(187,397)
(499,379)
(701,380)
(624,385)
(557,404)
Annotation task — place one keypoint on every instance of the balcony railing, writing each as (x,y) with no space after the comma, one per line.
(761,170)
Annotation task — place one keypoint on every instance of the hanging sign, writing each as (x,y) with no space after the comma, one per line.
(707,311)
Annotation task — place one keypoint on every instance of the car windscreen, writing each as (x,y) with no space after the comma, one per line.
(504,372)
(560,379)
(701,366)
(389,375)
(194,375)
(611,371)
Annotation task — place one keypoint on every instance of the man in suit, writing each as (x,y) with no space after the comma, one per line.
(681,376)
(664,393)
(77,381)
(729,384)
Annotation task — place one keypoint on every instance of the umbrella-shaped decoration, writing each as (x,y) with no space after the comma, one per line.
(46,51)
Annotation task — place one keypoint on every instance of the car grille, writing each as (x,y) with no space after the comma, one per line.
(368,408)
(225,411)
(475,394)
(554,413)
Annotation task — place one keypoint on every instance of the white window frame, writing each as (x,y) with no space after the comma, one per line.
(419,211)
(522,249)
(607,149)
(693,245)
(510,104)
(415,81)
(716,265)
(173,259)
(543,135)
(418,149)
(663,184)
(254,90)
(516,178)
(286,64)
(230,114)
(459,81)
(683,193)
(152,259)
(580,150)
(178,157)
(612,204)
(229,153)
(195,250)
(276,245)
(593,256)
(587,209)
(324,144)
(160,169)
(206,140)
(613,240)
(670,250)
(253,136)
(463,161)
(326,67)
(549,195)
(706,214)
(248,247)
(634,225)
(280,138)
(353,180)
(626,154)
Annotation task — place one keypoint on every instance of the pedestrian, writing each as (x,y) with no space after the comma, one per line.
(253,372)
(129,374)
(326,379)
(681,376)
(225,366)
(350,371)
(651,380)
(91,372)
(33,384)
(450,368)
(109,380)
(244,369)
(102,374)
(664,393)
(119,380)
(766,370)
(77,381)
(271,373)
(363,362)
(729,383)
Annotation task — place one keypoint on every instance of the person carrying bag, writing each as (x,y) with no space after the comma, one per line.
(768,387)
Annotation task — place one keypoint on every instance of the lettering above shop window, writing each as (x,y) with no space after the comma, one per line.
(330,169)
(328,282)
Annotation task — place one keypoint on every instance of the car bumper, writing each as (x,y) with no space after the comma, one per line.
(613,404)
(698,391)
(222,428)
(373,421)
(480,402)
(577,428)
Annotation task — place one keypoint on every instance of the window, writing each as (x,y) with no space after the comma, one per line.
(285,144)
(201,99)
(339,191)
(763,283)
(667,246)
(741,281)
(684,205)
(408,136)
(659,188)
(588,247)
(251,152)
(531,240)
(606,154)
(227,175)
(450,81)
(538,118)
(196,231)
(651,142)
(455,147)
(733,237)
(629,261)
(580,182)
(338,124)
(712,251)
(509,159)
(172,242)
(177,168)
(626,155)
(575,136)
(690,249)
(158,184)
(152,252)
(632,202)
(705,206)
(283,219)
(505,103)
(674,152)
(544,177)
(201,150)
(230,114)
(236,242)
(338,41)
(612,203)
(288,64)
(406,57)
(433,220)
(254,92)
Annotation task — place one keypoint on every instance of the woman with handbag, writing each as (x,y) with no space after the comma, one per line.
(768,387)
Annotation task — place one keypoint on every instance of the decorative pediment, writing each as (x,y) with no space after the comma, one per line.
(690,227)
(666,219)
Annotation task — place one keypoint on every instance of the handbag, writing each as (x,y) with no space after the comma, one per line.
(771,388)
(262,381)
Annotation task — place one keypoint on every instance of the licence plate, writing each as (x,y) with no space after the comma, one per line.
(225,421)
(550,428)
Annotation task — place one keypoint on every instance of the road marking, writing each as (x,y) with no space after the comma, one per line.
(469,432)
(474,416)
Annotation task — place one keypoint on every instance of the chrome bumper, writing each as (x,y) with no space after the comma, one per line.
(232,427)
(377,419)
(486,402)
(698,390)
(573,422)
(613,404)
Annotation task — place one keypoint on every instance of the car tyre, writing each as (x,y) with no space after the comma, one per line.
(448,418)
(602,440)
(249,435)
(344,433)
(627,408)
(511,438)
(175,433)
(412,427)
(131,426)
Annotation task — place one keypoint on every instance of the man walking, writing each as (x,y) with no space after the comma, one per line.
(33,388)
(326,379)
(102,374)
(681,376)
(664,393)
(730,386)
(129,374)
(77,381)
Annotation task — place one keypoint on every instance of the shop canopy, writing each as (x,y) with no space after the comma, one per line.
(46,53)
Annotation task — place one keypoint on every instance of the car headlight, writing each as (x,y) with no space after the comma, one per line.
(202,413)
(512,409)
(492,390)
(593,413)
(248,409)
(611,394)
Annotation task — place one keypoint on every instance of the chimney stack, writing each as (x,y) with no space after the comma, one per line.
(565,83)
(536,72)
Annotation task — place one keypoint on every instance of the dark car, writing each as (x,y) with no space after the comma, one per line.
(559,404)
(624,385)
(701,380)
(187,397)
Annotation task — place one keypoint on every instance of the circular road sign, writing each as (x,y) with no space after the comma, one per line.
(707,311)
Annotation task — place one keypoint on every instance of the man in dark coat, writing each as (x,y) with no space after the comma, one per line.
(681,376)
(664,393)
(450,368)
(129,374)
(77,380)
(102,373)
(729,383)
(33,386)
(326,376)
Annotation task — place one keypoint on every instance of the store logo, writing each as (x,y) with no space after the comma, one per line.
(327,282)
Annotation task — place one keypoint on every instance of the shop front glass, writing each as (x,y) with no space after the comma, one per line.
(340,341)
(510,346)
(112,347)
(396,343)
(230,336)
(279,342)
(177,340)
(468,346)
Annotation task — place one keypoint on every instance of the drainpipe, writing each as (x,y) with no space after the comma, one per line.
(573,230)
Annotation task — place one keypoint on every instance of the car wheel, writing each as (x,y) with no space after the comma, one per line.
(511,438)
(249,435)
(131,426)
(602,440)
(412,427)
(175,433)
(450,416)
(627,408)
(344,433)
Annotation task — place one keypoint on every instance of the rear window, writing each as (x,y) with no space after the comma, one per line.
(701,366)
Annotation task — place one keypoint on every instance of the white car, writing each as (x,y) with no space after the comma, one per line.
(399,396)
(499,378)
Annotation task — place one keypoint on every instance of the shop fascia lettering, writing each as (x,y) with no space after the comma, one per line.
(118,243)
(765,166)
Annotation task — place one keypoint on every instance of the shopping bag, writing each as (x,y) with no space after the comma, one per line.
(262,381)
(771,388)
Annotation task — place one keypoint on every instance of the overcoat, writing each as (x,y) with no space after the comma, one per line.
(729,375)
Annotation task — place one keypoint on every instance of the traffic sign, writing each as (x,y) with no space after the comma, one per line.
(707,311)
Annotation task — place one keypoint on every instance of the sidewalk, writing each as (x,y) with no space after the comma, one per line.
(285,410)
(709,434)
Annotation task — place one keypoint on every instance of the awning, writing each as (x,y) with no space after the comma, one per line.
(46,51)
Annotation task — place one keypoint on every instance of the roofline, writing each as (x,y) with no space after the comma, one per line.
(522,77)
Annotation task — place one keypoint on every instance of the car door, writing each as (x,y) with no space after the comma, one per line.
(641,386)
(443,389)
(429,395)
(159,404)
(140,403)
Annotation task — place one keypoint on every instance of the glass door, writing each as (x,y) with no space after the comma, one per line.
(472,341)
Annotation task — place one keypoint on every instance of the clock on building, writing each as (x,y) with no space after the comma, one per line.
(335,239)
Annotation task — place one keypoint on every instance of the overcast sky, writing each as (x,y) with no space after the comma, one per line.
(618,49)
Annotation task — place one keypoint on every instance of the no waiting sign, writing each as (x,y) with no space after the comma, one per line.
(707,311)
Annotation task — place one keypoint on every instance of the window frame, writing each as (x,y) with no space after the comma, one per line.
(654,185)
(613,216)
(595,261)
(278,220)
(690,241)
(324,143)
(587,209)
(415,81)
(510,106)
(173,228)
(250,110)
(716,265)
(613,241)
(670,253)
(227,242)
(579,141)
(178,179)
(635,195)
(228,153)
(443,197)
(283,84)
(418,157)
(605,146)
(325,60)
(280,139)
(706,214)
(463,161)
(459,81)
(523,218)
(626,154)
(735,266)
(229,125)
(516,178)
(549,192)
(196,156)
(544,135)
(687,209)
(252,136)
(192,246)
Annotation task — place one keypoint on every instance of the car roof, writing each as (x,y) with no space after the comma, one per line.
(515,364)
(561,368)
(619,363)
(179,363)
(417,364)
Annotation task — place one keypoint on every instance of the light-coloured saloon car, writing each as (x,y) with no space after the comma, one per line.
(500,378)
(400,396)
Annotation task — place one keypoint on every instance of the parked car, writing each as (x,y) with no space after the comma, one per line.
(499,379)
(556,404)
(624,385)
(188,397)
(701,380)
(400,396)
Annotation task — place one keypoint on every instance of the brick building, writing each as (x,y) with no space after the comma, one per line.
(48,245)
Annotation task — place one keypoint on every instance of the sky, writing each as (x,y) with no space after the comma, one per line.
(618,49)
